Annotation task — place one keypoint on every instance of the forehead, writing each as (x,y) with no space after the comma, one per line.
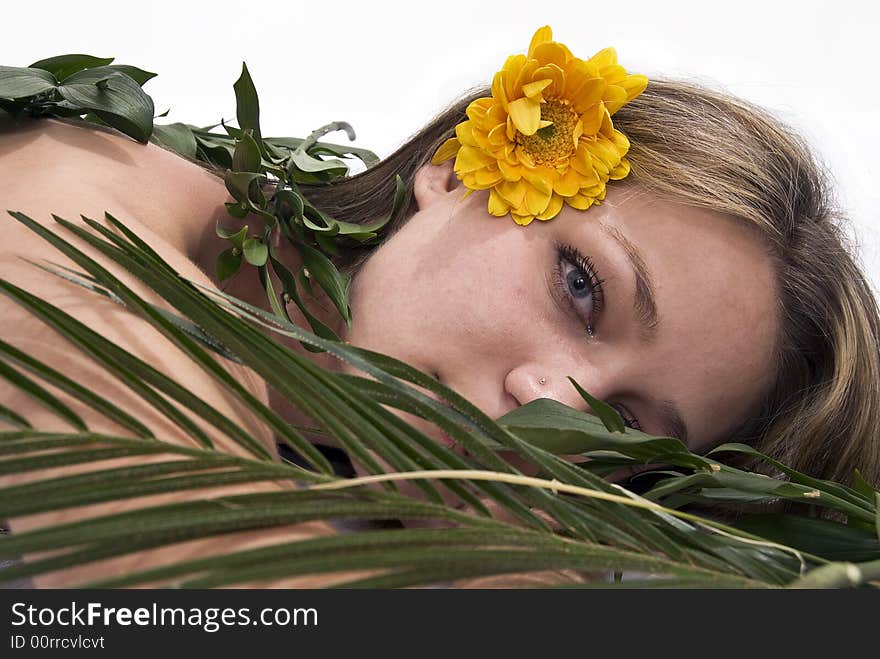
(715,293)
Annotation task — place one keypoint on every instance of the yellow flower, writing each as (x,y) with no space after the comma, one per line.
(545,135)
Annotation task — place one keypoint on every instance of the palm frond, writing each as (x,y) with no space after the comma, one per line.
(569,518)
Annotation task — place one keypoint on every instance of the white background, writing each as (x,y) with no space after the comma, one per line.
(388,67)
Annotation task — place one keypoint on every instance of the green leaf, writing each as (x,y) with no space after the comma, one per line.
(41,395)
(364,232)
(235,237)
(65,65)
(114,97)
(214,149)
(836,490)
(255,251)
(236,210)
(328,278)
(246,156)
(306,163)
(338,150)
(83,394)
(293,199)
(17,82)
(609,416)
(245,187)
(247,104)
(326,244)
(830,540)
(329,226)
(862,486)
(560,429)
(288,281)
(228,263)
(9,416)
(138,75)
(177,137)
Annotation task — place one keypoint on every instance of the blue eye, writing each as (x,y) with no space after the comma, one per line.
(580,285)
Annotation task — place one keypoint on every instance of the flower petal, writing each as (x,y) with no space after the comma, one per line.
(568,184)
(478,110)
(514,193)
(583,163)
(522,220)
(592,119)
(614,74)
(488,177)
(553,208)
(533,90)
(542,35)
(621,171)
(465,133)
(526,74)
(579,201)
(498,135)
(554,73)
(470,159)
(551,52)
(577,132)
(447,151)
(497,205)
(526,115)
(498,91)
(588,94)
(508,172)
(537,200)
(539,178)
(512,73)
(614,98)
(620,141)
(634,85)
(605,57)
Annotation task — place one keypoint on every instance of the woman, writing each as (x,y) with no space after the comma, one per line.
(692,298)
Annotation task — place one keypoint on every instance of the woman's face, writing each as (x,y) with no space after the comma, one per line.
(683,342)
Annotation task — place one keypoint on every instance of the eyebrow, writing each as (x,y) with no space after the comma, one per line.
(644,303)
(645,311)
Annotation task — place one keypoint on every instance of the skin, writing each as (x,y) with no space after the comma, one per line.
(472,305)
(472,301)
(456,292)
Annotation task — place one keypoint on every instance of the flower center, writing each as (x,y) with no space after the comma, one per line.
(552,143)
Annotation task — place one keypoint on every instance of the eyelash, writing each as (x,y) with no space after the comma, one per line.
(583,263)
(575,258)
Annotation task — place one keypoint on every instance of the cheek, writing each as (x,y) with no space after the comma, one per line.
(466,287)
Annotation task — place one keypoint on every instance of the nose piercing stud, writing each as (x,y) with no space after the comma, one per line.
(542,380)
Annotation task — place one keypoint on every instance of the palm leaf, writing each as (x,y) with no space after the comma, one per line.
(568,518)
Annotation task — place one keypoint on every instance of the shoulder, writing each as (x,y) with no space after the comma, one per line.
(56,168)
(176,198)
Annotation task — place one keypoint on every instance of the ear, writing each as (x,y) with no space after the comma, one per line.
(433,182)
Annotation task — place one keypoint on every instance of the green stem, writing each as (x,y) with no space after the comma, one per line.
(313,137)
(841,575)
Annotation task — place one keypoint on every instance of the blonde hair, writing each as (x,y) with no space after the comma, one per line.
(705,148)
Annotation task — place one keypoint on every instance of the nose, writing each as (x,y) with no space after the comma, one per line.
(529,381)
(532,380)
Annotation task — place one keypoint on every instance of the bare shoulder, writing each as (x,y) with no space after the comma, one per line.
(177,199)
(50,167)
